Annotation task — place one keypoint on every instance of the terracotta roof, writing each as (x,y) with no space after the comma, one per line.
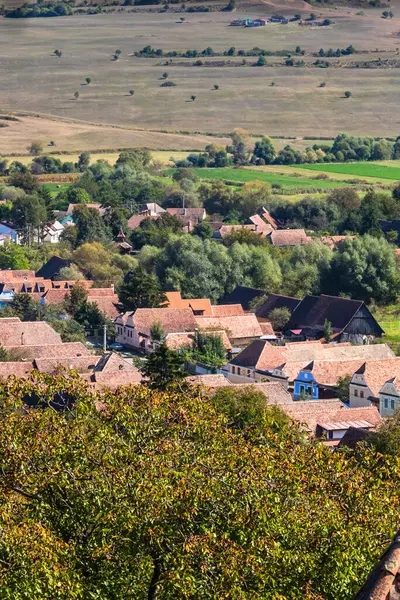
(52,350)
(334,240)
(260,355)
(260,224)
(289,237)
(175,300)
(107,305)
(175,341)
(173,320)
(228,229)
(227,310)
(318,351)
(314,413)
(27,334)
(273,390)
(115,379)
(326,372)
(188,212)
(82,364)
(101,292)
(241,326)
(135,220)
(16,275)
(267,329)
(18,369)
(378,372)
(10,320)
(382,582)
(266,215)
(55,296)
(211,381)
(113,362)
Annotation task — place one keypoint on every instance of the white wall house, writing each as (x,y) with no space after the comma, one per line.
(389,398)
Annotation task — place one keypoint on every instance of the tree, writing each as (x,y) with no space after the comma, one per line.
(70,330)
(264,149)
(342,387)
(239,150)
(170,495)
(71,273)
(77,195)
(209,349)
(89,225)
(140,290)
(131,92)
(252,196)
(347,94)
(58,53)
(365,269)
(88,80)
(165,75)
(396,191)
(261,61)
(163,368)
(118,52)
(204,230)
(76,95)
(232,4)
(75,298)
(25,307)
(157,332)
(193,98)
(35,148)
(216,86)
(29,215)
(327,331)
(279,318)
(13,257)
(83,161)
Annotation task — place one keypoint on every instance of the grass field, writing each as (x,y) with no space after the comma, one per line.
(284,169)
(362,169)
(247,175)
(56,188)
(39,82)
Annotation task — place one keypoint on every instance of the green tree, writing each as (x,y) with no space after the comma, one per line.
(208,348)
(327,331)
(261,61)
(342,387)
(78,195)
(165,75)
(69,330)
(163,368)
(204,230)
(157,332)
(131,92)
(216,86)
(264,150)
(239,147)
(74,299)
(29,214)
(25,307)
(76,95)
(140,290)
(89,225)
(71,273)
(279,318)
(396,191)
(347,94)
(83,161)
(193,98)
(88,80)
(13,256)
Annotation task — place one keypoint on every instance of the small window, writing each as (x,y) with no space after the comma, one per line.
(309,391)
(386,402)
(238,372)
(392,404)
(356,393)
(248,373)
(233,370)
(361,394)
(330,435)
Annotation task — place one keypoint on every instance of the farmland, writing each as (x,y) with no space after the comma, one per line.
(40,83)
(284,181)
(362,169)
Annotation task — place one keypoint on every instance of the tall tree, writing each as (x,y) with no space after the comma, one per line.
(163,368)
(140,290)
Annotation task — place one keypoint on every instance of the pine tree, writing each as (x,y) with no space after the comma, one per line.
(163,368)
(140,290)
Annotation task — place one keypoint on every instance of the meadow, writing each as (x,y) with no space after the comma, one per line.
(284,181)
(361,169)
(39,83)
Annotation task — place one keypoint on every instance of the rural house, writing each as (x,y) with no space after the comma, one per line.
(350,320)
(370,378)
(289,238)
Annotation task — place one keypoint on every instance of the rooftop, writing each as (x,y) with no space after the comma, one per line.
(240,326)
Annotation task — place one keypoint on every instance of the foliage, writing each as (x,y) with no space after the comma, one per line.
(279,318)
(178,503)
(140,290)
(157,332)
(208,348)
(163,368)
(342,387)
(74,299)
(13,256)
(327,331)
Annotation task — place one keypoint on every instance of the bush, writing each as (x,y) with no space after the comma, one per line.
(168,84)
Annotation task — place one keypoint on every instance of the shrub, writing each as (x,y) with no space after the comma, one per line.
(168,84)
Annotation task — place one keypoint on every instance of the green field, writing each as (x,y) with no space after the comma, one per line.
(361,169)
(285,181)
(56,188)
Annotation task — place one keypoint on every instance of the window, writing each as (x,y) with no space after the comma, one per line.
(392,404)
(248,373)
(386,402)
(309,391)
(361,394)
(330,435)
(356,393)
(233,370)
(238,371)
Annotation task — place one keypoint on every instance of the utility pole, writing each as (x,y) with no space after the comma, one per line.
(104,338)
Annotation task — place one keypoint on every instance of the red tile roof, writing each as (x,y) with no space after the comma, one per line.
(289,237)
(18,369)
(62,350)
(27,334)
(135,220)
(82,364)
(227,310)
(382,582)
(173,320)
(196,304)
(241,326)
(115,379)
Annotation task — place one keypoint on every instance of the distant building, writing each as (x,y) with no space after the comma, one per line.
(9,233)
(305,385)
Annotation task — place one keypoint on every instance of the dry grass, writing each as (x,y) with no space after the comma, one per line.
(39,82)
(286,170)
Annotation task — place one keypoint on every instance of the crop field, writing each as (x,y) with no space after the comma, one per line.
(285,181)
(362,169)
(37,82)
(298,170)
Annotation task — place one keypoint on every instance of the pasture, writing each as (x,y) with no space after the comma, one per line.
(361,169)
(284,181)
(40,83)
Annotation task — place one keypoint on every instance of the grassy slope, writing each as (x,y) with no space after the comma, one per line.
(362,169)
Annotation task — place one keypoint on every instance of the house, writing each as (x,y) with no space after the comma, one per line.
(241,329)
(305,384)
(151,209)
(9,233)
(135,220)
(274,301)
(225,230)
(93,205)
(389,397)
(331,419)
(255,363)
(53,232)
(189,216)
(289,237)
(199,306)
(369,379)
(26,333)
(60,350)
(51,269)
(350,320)
(382,582)
(227,310)
(134,329)
(243,295)
(261,222)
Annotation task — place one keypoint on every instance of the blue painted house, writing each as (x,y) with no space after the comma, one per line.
(5,230)
(305,384)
